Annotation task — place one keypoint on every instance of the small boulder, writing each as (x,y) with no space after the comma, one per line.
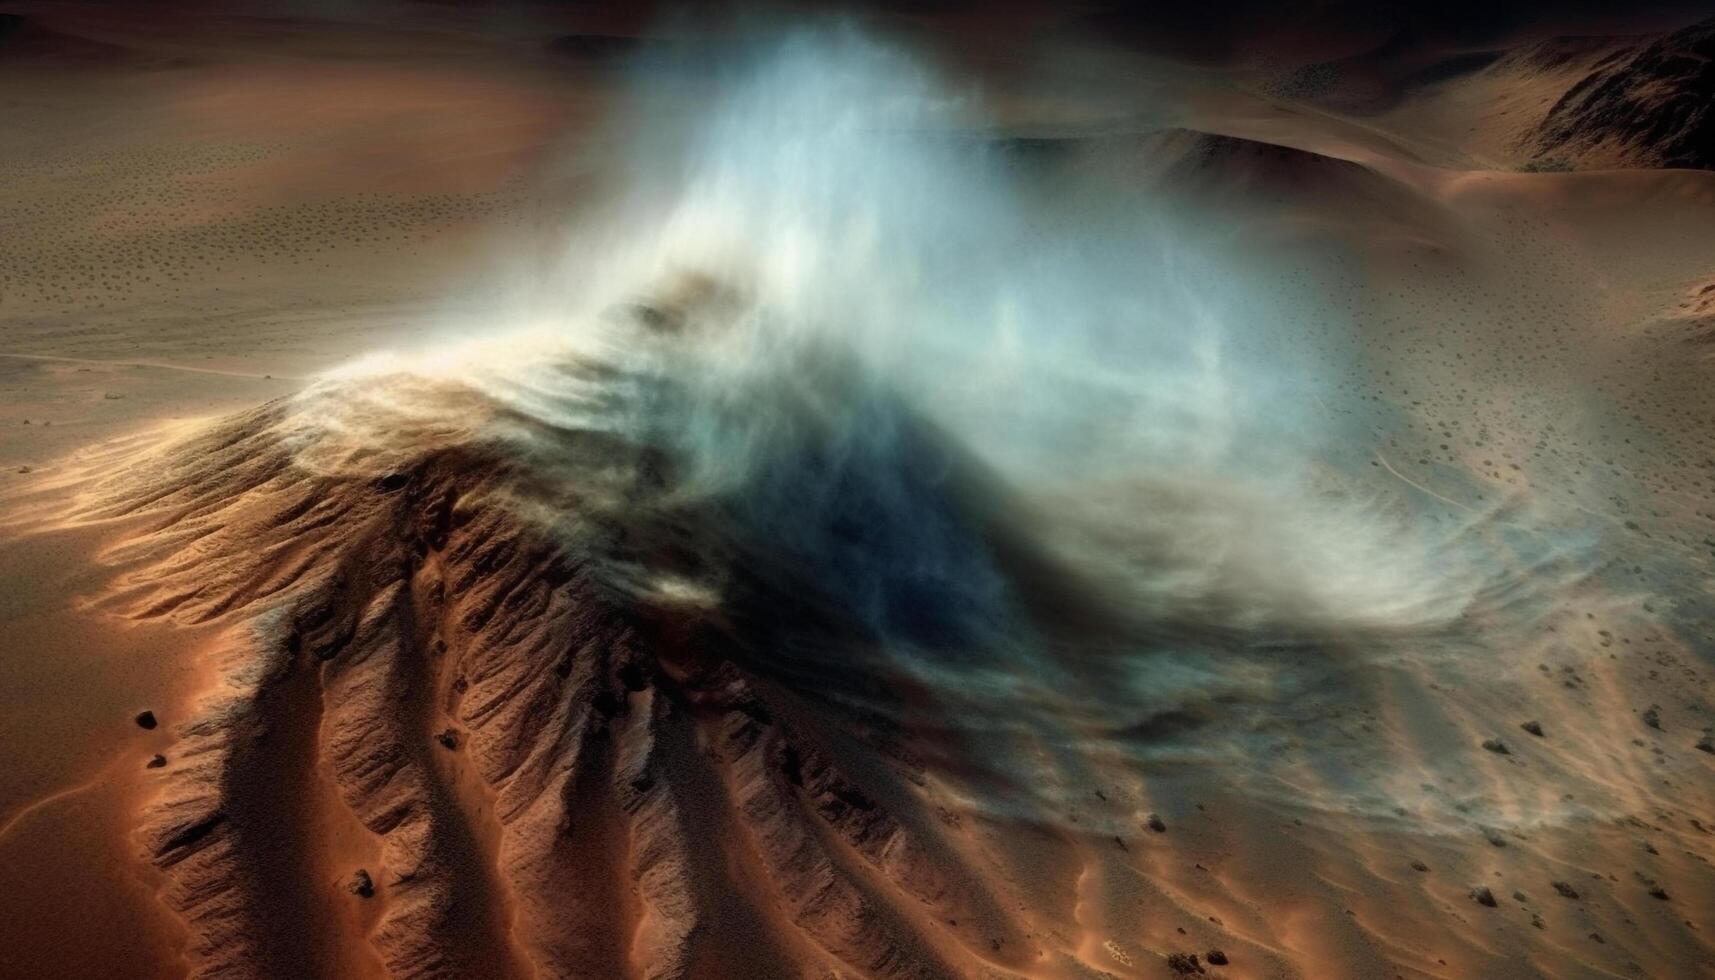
(156,761)
(362,885)
(1156,824)
(1535,728)
(1482,896)
(1565,890)
(146,720)
(1497,746)
(448,738)
(1184,964)
(1216,957)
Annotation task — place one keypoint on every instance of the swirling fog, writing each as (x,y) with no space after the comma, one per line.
(1056,455)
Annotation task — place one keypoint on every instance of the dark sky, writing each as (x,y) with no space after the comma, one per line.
(1218,29)
(1210,31)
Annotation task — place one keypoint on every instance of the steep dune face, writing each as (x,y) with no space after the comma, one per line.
(562,701)
(1645,107)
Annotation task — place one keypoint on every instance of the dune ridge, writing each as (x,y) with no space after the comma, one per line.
(547,759)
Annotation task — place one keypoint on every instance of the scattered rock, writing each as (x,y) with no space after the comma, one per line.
(1216,957)
(1482,896)
(1497,746)
(1419,866)
(1652,717)
(1565,890)
(146,720)
(1184,963)
(1535,728)
(156,761)
(362,885)
(1658,892)
(1156,825)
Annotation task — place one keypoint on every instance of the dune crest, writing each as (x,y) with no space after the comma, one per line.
(555,735)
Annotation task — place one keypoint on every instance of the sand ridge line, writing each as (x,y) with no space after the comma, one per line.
(64,794)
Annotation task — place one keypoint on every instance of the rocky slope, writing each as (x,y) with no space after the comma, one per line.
(1653,106)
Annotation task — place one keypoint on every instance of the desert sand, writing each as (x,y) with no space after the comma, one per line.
(1165,515)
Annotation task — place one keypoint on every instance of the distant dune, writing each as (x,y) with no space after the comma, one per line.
(1652,105)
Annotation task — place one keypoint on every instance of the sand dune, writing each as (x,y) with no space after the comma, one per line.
(1648,107)
(774,624)
(516,714)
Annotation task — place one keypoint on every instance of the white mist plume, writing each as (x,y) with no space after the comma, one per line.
(857,247)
